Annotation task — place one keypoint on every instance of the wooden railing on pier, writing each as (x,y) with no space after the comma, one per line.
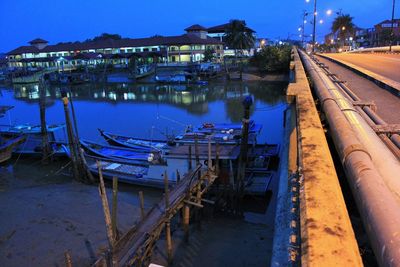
(135,247)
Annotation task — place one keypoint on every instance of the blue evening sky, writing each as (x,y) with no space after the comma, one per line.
(77,20)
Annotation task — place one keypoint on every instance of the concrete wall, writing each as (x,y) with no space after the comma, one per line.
(327,237)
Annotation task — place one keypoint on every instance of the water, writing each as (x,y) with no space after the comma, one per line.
(149,110)
(43,213)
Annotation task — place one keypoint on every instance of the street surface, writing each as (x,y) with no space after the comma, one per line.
(388,104)
(387,65)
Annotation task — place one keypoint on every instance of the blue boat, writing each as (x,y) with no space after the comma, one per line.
(115,152)
(33,142)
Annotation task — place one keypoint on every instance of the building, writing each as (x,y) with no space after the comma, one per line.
(383,30)
(189,47)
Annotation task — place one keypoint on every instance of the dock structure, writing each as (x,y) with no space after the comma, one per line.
(134,248)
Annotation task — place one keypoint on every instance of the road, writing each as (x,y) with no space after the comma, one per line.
(387,65)
(387,104)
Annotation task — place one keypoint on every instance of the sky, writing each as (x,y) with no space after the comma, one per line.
(78,20)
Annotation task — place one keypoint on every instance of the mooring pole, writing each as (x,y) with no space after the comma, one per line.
(168,221)
(186,219)
(247,102)
(68,260)
(46,148)
(141,200)
(190,158)
(71,138)
(106,208)
(114,208)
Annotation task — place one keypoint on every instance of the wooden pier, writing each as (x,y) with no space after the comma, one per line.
(134,248)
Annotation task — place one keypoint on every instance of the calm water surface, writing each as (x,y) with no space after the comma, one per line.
(149,110)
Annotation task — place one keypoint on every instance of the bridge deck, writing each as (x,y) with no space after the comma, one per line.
(367,90)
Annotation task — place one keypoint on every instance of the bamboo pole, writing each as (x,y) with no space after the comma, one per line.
(209,165)
(141,199)
(178,177)
(71,139)
(168,222)
(114,208)
(106,208)
(186,220)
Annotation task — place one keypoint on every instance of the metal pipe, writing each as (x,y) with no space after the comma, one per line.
(374,188)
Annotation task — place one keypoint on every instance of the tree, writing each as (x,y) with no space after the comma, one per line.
(343,25)
(239,37)
(209,54)
(105,36)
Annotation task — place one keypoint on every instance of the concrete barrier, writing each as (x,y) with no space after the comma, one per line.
(327,237)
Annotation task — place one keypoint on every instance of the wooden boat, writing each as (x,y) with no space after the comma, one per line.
(33,143)
(8,143)
(115,152)
(136,143)
(4,109)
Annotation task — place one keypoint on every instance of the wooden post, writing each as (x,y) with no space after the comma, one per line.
(166,191)
(169,241)
(68,260)
(209,164)
(190,158)
(141,200)
(71,139)
(106,208)
(80,156)
(178,177)
(114,208)
(46,148)
(247,102)
(186,219)
(168,222)
(217,159)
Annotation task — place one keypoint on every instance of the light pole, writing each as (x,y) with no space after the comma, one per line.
(305,14)
(392,28)
(314,25)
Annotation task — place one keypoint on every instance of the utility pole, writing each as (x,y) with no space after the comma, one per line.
(247,103)
(305,14)
(392,27)
(314,25)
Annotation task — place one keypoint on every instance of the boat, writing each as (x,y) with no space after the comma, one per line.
(136,143)
(4,109)
(117,152)
(33,143)
(7,143)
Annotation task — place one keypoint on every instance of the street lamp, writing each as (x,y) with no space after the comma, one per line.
(314,24)
(392,27)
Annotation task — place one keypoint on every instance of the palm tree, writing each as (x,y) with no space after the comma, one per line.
(344,26)
(239,37)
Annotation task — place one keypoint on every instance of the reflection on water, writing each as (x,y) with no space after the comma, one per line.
(150,109)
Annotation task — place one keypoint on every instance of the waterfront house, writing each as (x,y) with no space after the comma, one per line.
(189,47)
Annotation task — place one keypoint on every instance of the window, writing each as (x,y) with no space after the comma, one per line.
(122,50)
(145,50)
(154,49)
(137,50)
(129,50)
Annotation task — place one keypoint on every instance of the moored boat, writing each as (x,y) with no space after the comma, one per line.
(33,142)
(8,143)
(115,152)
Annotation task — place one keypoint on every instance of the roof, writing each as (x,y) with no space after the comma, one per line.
(388,21)
(222,28)
(185,39)
(195,27)
(38,41)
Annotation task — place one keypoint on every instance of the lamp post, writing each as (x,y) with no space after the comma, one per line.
(314,25)
(392,27)
(305,14)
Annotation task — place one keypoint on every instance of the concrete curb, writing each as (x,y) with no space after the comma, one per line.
(383,82)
